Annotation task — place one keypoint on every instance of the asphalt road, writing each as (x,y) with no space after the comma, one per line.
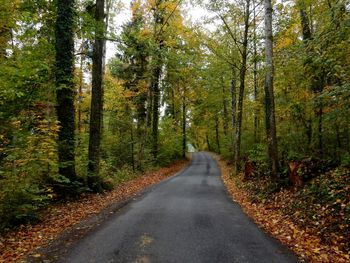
(188,218)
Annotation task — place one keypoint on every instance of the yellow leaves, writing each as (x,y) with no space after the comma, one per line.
(16,124)
(128,94)
(284,42)
(145,33)
(115,94)
(296,232)
(136,6)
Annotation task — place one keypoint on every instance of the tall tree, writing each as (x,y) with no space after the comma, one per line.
(237,101)
(184,123)
(224,104)
(269,92)
(94,180)
(242,77)
(157,71)
(233,91)
(65,87)
(255,72)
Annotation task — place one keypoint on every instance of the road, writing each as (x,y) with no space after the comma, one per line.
(188,218)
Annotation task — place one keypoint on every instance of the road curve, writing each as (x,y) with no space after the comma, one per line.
(188,218)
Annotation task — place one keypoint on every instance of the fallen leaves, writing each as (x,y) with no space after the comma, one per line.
(16,245)
(305,241)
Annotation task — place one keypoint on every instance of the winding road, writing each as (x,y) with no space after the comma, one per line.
(187,218)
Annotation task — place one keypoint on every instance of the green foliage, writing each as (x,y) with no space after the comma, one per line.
(28,163)
(20,201)
(170,142)
(197,80)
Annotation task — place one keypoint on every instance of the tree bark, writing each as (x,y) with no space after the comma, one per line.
(157,71)
(233,108)
(304,21)
(320,129)
(255,55)
(155,110)
(80,93)
(217,134)
(269,92)
(208,142)
(94,181)
(64,32)
(242,75)
(224,104)
(132,144)
(184,116)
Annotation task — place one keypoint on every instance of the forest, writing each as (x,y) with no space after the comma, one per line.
(86,104)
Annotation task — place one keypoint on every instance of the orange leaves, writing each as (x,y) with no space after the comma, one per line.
(16,245)
(299,235)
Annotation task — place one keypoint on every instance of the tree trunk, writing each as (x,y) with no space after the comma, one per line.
(94,181)
(80,93)
(184,116)
(233,108)
(208,142)
(308,130)
(155,110)
(305,24)
(256,120)
(149,108)
(173,106)
(217,134)
(320,129)
(157,71)
(224,103)
(141,127)
(269,93)
(242,75)
(132,145)
(141,101)
(65,87)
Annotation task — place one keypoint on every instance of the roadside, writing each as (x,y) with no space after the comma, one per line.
(270,214)
(62,218)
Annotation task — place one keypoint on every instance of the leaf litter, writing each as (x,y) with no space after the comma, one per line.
(303,239)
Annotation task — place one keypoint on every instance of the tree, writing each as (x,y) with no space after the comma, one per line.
(65,87)
(242,76)
(159,20)
(269,92)
(94,180)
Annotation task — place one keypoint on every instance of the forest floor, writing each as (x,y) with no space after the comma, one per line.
(63,217)
(322,236)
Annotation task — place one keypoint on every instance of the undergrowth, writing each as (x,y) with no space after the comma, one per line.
(323,203)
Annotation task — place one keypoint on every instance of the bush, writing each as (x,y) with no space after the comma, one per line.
(29,162)
(20,202)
